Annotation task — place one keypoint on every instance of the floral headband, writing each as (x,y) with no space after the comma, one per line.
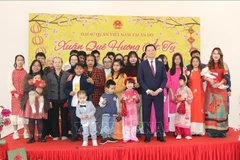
(129,78)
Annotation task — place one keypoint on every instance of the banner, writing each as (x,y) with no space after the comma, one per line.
(58,34)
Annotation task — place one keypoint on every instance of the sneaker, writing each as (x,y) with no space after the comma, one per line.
(56,138)
(40,139)
(125,141)
(112,140)
(94,143)
(25,135)
(188,137)
(64,138)
(103,141)
(179,137)
(135,140)
(30,140)
(16,135)
(85,143)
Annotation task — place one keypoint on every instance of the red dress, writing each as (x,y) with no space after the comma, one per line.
(197,107)
(16,86)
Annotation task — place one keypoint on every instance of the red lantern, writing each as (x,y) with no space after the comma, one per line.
(37,40)
(35,29)
(191,49)
(41,49)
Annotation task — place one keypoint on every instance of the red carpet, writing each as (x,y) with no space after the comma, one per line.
(200,148)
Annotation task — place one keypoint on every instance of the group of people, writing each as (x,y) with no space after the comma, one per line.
(119,98)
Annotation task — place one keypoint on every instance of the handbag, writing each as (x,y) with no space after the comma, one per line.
(182,108)
(124,109)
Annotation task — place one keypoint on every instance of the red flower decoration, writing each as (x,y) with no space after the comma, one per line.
(191,31)
(5,112)
(18,157)
(1,128)
(191,40)
(128,78)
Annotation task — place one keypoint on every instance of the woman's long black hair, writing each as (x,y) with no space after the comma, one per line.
(129,65)
(162,56)
(173,69)
(121,72)
(30,69)
(71,70)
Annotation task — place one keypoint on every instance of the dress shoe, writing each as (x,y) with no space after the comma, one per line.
(74,138)
(161,139)
(147,140)
(40,139)
(30,140)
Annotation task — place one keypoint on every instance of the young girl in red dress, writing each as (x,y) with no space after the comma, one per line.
(130,99)
(16,78)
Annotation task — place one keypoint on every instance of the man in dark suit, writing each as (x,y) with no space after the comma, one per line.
(152,78)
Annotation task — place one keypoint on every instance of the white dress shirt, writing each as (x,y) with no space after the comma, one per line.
(152,62)
(75,99)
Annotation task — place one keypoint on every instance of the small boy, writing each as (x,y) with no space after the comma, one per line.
(110,105)
(85,110)
(38,83)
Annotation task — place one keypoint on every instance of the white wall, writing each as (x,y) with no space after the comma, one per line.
(219,27)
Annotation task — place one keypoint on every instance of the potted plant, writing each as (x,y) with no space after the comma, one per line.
(4,121)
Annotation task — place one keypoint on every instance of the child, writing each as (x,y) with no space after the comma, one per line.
(130,98)
(78,82)
(118,77)
(38,83)
(183,99)
(173,77)
(85,111)
(110,105)
(213,75)
(16,79)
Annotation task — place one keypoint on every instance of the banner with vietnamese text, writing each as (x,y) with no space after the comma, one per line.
(58,34)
